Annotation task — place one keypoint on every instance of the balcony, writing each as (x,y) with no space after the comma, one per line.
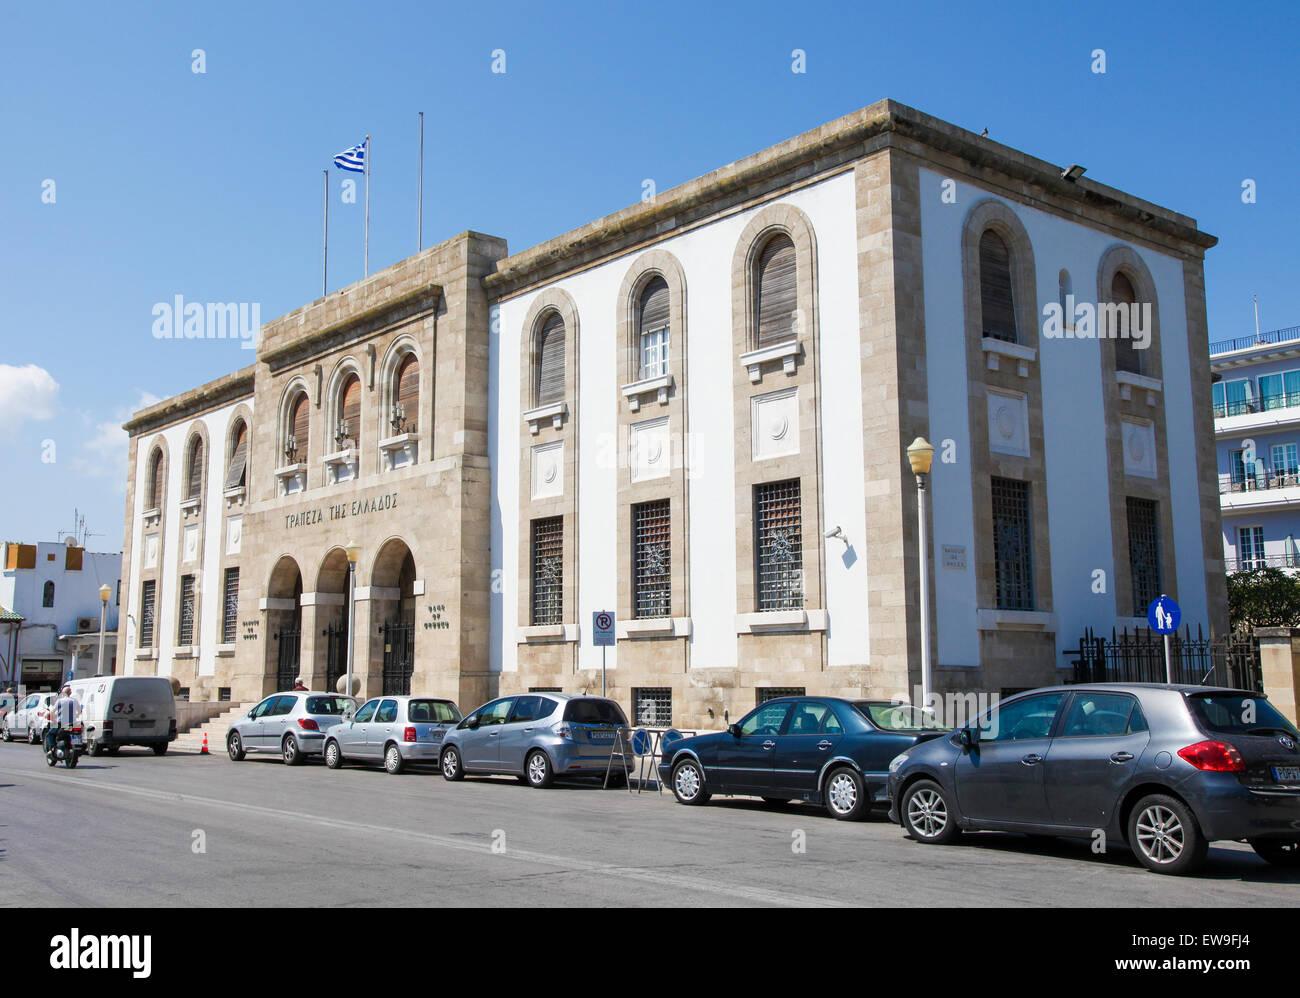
(1273,338)
(1289,562)
(1254,492)
(1231,418)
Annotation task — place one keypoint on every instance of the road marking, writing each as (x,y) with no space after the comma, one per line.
(756,895)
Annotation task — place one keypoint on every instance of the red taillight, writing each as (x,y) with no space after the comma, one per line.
(564,731)
(408,735)
(307,724)
(1213,757)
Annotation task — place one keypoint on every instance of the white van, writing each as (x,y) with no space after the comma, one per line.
(126,710)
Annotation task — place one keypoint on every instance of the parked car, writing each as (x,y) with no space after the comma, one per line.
(395,730)
(30,718)
(535,737)
(126,710)
(1165,769)
(291,724)
(825,750)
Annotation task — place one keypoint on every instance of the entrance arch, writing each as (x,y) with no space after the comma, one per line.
(392,588)
(330,655)
(283,626)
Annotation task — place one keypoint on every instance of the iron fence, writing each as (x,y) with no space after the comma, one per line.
(1139,657)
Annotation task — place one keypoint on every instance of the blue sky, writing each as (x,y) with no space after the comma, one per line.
(208,185)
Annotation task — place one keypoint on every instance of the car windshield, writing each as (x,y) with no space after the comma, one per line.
(1239,714)
(594,712)
(328,705)
(432,711)
(898,717)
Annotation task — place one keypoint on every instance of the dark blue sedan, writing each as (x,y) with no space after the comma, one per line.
(826,750)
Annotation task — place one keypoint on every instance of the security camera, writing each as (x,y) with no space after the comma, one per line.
(837,532)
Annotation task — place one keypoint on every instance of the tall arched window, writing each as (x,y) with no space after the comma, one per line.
(194,469)
(237,469)
(1065,288)
(997,304)
(654,339)
(47,596)
(406,395)
(295,440)
(1127,356)
(776,293)
(347,432)
(155,493)
(548,381)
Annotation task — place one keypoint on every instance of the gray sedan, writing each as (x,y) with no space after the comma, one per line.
(535,737)
(397,730)
(292,725)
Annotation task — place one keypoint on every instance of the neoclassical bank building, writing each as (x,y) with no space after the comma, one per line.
(694,414)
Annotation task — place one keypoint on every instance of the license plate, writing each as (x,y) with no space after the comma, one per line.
(1286,774)
(142,724)
(602,736)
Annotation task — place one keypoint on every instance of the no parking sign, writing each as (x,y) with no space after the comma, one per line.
(602,628)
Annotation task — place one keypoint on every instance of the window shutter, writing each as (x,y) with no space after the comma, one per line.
(777,293)
(654,305)
(996,302)
(299,425)
(351,411)
(235,474)
(156,480)
(408,391)
(550,361)
(195,470)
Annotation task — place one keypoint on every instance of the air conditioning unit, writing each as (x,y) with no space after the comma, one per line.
(87,625)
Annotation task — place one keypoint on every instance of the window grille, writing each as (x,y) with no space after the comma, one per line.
(1011,545)
(779,546)
(765,693)
(147,593)
(230,606)
(548,571)
(185,626)
(1143,553)
(653,706)
(651,554)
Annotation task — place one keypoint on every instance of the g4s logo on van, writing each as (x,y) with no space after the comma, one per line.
(123,708)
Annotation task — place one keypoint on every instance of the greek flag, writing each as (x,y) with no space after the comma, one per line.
(353,160)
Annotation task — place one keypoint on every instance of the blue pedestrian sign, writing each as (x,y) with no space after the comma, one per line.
(1164,616)
(602,628)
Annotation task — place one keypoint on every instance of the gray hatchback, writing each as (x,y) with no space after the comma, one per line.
(291,725)
(1164,769)
(535,737)
(397,730)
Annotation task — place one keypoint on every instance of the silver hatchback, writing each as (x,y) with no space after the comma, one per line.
(397,730)
(292,725)
(535,737)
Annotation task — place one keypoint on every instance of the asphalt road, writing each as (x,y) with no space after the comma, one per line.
(123,831)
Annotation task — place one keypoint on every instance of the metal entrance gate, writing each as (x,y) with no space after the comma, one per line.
(399,656)
(336,654)
(290,644)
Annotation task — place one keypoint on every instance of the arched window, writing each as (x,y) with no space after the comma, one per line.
(237,470)
(347,432)
(194,469)
(654,340)
(997,304)
(406,395)
(776,293)
(548,380)
(1065,288)
(47,596)
(1127,356)
(155,493)
(295,439)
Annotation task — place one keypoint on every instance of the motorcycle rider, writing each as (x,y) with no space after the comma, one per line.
(63,715)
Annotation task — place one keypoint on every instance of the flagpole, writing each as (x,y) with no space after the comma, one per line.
(367,262)
(419,237)
(325,269)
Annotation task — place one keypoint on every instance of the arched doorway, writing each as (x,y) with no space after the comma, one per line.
(332,619)
(394,577)
(284,625)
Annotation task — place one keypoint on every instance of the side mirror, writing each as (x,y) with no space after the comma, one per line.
(733,730)
(968,738)
(471,723)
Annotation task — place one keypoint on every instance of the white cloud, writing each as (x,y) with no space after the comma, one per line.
(26,393)
(103,446)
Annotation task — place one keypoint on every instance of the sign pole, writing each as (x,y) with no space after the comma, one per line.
(1169,663)
(602,670)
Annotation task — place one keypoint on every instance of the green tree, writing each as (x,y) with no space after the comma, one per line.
(1263,597)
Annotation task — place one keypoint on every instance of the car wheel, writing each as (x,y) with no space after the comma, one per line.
(235,747)
(1279,852)
(927,813)
(96,749)
(1164,836)
(8,735)
(688,783)
(846,794)
(159,749)
(393,760)
(450,764)
(538,768)
(32,736)
(333,755)
(289,751)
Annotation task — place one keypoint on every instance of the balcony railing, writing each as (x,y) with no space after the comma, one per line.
(1257,482)
(1283,400)
(1260,340)
(1246,563)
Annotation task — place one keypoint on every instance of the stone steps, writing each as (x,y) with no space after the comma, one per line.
(216,728)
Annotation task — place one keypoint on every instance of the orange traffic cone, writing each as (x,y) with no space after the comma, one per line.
(204,750)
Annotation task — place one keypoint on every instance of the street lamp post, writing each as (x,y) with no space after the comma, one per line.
(353,552)
(104,593)
(920,452)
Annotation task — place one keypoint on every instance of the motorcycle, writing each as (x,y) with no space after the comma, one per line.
(66,747)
